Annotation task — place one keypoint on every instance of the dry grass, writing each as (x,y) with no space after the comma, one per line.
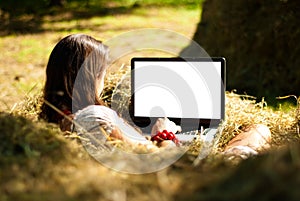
(243,111)
(40,160)
(240,111)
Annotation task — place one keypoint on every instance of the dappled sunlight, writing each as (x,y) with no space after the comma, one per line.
(30,50)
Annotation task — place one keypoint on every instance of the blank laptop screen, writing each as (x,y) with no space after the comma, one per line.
(178,88)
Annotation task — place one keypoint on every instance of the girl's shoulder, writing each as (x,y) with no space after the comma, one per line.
(94,112)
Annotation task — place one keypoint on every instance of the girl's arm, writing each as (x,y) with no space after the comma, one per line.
(95,115)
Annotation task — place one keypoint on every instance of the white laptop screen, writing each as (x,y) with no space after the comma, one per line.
(178,88)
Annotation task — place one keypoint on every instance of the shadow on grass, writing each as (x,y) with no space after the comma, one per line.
(30,23)
(20,25)
(22,139)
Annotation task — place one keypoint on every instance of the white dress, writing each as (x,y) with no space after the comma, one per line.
(97,122)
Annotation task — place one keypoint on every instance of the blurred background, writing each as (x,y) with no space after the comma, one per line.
(259,39)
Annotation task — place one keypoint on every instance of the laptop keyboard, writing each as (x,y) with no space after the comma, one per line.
(207,135)
(188,136)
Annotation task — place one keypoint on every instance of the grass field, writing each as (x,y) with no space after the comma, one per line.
(24,56)
(39,162)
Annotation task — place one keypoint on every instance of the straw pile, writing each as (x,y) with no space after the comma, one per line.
(240,111)
(38,159)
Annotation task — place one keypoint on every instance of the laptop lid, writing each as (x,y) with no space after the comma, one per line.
(189,91)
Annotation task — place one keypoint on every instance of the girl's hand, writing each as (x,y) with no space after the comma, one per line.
(164,124)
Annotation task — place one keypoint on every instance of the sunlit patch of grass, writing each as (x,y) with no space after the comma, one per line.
(110,25)
(22,65)
(23,58)
(287,103)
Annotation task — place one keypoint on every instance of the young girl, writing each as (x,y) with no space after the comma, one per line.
(74,81)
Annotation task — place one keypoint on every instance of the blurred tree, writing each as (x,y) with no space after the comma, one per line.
(59,3)
(260,41)
(18,7)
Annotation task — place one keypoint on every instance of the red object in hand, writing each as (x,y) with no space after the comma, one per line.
(165,135)
(67,112)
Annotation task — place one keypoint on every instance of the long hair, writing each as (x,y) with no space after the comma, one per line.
(75,63)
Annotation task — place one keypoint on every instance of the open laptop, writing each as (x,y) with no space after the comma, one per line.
(189,91)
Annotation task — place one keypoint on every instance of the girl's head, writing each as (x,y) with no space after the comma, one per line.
(74,75)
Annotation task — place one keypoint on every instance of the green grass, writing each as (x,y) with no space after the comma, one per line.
(24,56)
(189,4)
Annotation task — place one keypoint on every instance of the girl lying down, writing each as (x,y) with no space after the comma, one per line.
(74,81)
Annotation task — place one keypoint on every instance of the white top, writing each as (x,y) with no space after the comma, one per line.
(89,120)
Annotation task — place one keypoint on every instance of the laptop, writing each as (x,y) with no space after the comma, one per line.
(188,91)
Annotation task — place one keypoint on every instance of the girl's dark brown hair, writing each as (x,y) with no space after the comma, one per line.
(74,65)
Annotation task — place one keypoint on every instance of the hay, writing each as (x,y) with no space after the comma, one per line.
(112,79)
(243,111)
(240,111)
(40,160)
(30,107)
